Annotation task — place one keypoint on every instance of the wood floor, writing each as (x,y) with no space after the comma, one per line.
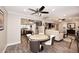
(57,47)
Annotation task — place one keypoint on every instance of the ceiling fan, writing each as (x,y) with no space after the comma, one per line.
(39,11)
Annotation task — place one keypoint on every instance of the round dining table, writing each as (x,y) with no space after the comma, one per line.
(39,37)
(36,40)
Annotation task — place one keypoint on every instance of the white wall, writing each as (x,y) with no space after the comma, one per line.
(13,29)
(3,33)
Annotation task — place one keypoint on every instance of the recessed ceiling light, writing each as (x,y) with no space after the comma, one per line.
(53,9)
(64,14)
(24,9)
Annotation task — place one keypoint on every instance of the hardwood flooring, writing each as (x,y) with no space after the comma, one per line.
(57,47)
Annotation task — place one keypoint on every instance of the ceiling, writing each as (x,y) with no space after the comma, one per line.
(58,11)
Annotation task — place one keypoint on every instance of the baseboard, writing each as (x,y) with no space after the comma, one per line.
(14,43)
(10,45)
(4,49)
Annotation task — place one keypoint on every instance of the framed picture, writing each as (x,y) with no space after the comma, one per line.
(71,25)
(1,20)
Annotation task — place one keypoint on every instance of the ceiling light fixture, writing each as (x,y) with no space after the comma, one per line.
(24,9)
(64,15)
(53,10)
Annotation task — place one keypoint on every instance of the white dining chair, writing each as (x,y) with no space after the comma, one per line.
(50,41)
(41,29)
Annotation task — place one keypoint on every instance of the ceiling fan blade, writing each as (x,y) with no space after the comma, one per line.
(45,12)
(41,8)
(33,13)
(32,9)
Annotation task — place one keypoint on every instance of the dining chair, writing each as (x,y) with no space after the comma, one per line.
(70,39)
(50,41)
(41,29)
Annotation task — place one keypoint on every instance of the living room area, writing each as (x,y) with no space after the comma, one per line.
(42,29)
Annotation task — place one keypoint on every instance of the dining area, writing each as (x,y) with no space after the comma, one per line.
(39,35)
(43,37)
(37,40)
